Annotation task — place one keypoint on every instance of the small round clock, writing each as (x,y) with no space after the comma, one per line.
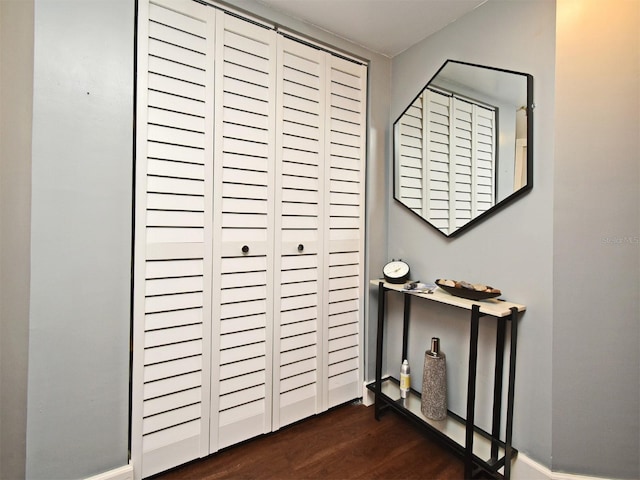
(396,271)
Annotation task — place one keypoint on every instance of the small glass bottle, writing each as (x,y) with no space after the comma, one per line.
(405,379)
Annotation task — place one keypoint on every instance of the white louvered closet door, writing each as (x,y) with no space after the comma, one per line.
(299,237)
(345,142)
(249,232)
(243,241)
(462,155)
(172,290)
(437,138)
(410,151)
(485,145)
(473,160)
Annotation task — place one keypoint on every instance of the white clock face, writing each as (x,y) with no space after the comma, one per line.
(396,269)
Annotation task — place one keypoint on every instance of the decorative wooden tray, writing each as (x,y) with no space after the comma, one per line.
(468,293)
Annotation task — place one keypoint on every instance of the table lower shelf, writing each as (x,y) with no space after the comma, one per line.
(451,430)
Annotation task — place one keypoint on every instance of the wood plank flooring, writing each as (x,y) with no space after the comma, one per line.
(344,443)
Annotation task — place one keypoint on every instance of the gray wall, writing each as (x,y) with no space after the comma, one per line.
(512,250)
(596,327)
(16,87)
(80,238)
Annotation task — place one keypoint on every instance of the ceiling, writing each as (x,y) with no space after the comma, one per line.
(387,27)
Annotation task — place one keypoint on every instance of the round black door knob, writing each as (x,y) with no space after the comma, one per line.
(300,247)
(245,249)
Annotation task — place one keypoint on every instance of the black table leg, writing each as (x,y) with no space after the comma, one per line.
(471,391)
(510,393)
(497,386)
(382,292)
(405,327)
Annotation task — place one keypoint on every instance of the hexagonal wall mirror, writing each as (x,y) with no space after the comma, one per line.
(463,147)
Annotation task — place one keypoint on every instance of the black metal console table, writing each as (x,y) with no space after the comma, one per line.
(482,451)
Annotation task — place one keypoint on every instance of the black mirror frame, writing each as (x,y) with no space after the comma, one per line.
(507,200)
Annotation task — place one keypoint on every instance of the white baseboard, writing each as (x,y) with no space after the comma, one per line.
(368,397)
(524,468)
(121,473)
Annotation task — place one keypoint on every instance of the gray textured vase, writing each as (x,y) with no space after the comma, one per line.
(434,383)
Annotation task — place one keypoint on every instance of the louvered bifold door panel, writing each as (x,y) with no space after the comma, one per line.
(243,242)
(299,226)
(345,142)
(411,153)
(437,137)
(484,165)
(173,235)
(473,150)
(462,155)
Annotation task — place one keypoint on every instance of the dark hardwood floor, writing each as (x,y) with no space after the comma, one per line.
(344,443)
